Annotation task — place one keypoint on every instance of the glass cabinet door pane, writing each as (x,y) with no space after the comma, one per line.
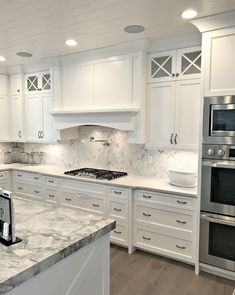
(32,83)
(191,63)
(46,81)
(161,67)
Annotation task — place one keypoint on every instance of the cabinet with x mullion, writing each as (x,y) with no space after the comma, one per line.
(39,99)
(174,65)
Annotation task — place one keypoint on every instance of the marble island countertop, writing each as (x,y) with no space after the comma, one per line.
(49,234)
(130,181)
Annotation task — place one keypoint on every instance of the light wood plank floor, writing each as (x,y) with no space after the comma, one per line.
(146,274)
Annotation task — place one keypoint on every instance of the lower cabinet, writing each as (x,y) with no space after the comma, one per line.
(5,182)
(164,224)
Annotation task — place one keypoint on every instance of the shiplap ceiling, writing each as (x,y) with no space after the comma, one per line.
(42,26)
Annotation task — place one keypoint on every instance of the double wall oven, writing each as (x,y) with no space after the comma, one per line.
(217,226)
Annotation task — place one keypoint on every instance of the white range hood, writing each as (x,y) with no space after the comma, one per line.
(121,118)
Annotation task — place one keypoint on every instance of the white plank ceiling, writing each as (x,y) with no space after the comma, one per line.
(42,26)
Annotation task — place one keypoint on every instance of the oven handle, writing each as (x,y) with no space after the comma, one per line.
(218,164)
(218,219)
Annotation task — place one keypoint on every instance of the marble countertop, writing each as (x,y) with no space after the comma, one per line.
(62,232)
(130,181)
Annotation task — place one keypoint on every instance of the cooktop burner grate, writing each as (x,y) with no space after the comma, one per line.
(96,173)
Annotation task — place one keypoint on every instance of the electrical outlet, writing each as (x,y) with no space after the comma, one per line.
(149,159)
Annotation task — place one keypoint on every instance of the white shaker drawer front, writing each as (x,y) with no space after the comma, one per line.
(155,216)
(97,205)
(4,175)
(52,181)
(118,210)
(31,191)
(35,191)
(165,199)
(163,244)
(51,195)
(23,176)
(84,186)
(20,176)
(118,192)
(120,233)
(75,200)
(5,184)
(37,178)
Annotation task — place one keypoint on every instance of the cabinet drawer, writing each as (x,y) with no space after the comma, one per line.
(32,191)
(4,175)
(165,199)
(84,186)
(75,200)
(120,233)
(51,181)
(163,244)
(118,210)
(31,177)
(159,216)
(97,205)
(51,195)
(4,184)
(118,192)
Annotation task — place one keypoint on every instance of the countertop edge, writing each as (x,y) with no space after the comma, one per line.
(39,267)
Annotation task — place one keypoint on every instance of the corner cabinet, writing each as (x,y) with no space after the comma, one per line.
(174,65)
(219,64)
(39,102)
(173,110)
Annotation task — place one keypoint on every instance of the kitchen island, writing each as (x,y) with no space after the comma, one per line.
(63,251)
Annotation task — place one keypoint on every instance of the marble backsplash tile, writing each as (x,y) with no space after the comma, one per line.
(119,155)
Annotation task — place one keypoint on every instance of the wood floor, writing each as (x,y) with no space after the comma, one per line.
(146,274)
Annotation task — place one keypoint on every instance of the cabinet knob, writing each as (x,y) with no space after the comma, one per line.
(171,138)
(177,74)
(18,90)
(20,134)
(173,75)
(42,134)
(146,238)
(180,247)
(39,132)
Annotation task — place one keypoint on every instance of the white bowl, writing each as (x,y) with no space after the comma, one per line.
(184,178)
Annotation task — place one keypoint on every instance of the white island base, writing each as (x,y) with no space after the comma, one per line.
(86,272)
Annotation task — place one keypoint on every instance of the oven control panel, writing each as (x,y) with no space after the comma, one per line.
(225,152)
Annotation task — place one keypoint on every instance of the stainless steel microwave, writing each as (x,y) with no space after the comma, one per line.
(219,120)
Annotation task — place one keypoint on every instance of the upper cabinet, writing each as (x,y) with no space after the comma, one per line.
(4,109)
(174,65)
(37,82)
(39,103)
(219,63)
(17,108)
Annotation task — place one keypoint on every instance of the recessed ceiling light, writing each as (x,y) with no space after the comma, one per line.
(2,58)
(189,13)
(134,29)
(24,54)
(71,42)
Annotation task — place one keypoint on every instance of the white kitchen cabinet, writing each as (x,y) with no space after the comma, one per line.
(174,65)
(4,119)
(17,108)
(165,224)
(219,64)
(39,122)
(38,82)
(173,112)
(3,86)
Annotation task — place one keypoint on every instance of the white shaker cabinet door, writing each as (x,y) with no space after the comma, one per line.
(48,131)
(17,129)
(4,120)
(187,113)
(219,62)
(160,114)
(34,117)
(113,82)
(77,86)
(15,85)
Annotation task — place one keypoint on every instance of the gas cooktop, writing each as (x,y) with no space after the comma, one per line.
(96,173)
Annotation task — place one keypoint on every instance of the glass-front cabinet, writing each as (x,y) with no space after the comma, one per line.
(174,65)
(36,82)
